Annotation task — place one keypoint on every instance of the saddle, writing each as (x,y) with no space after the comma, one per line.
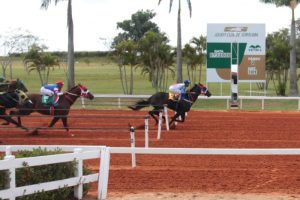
(174,96)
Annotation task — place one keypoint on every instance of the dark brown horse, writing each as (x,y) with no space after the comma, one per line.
(12,85)
(12,100)
(61,110)
(159,99)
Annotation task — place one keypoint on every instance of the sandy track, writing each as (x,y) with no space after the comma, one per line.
(186,177)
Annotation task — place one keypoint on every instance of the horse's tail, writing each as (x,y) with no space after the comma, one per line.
(140,104)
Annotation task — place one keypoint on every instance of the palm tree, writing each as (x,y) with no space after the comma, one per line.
(179,45)
(70,74)
(293,68)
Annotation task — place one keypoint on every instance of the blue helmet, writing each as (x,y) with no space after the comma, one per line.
(186,82)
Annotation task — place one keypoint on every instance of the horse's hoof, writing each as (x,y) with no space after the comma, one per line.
(70,134)
(172,126)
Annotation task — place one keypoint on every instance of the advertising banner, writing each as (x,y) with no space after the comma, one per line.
(241,44)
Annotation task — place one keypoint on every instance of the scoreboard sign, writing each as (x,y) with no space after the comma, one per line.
(238,44)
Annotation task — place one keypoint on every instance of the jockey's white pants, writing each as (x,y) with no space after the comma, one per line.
(45,91)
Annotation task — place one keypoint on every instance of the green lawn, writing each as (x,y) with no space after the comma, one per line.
(101,76)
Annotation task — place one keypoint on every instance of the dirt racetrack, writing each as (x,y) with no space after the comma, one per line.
(181,176)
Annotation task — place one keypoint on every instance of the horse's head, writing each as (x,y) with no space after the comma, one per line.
(84,92)
(81,91)
(20,85)
(22,97)
(201,89)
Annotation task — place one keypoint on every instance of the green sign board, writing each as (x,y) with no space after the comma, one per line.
(222,55)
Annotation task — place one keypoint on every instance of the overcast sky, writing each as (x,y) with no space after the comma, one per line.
(95,20)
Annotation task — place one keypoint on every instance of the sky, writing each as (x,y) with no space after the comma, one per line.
(95,21)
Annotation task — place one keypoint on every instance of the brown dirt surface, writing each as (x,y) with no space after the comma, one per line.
(183,176)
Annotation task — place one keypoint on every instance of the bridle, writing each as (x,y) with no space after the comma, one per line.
(83,93)
(202,91)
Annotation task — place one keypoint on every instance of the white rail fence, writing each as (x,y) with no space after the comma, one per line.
(74,153)
(81,153)
(121,102)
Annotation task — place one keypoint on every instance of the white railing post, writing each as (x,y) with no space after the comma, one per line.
(241,103)
(119,103)
(78,190)
(103,173)
(166,117)
(159,125)
(11,174)
(227,104)
(262,103)
(132,141)
(298,104)
(146,131)
(82,102)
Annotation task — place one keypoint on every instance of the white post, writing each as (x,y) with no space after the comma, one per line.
(132,141)
(298,104)
(103,173)
(11,173)
(241,103)
(78,190)
(146,131)
(119,103)
(263,103)
(82,102)
(159,125)
(166,117)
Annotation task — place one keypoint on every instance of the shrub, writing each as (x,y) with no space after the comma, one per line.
(45,173)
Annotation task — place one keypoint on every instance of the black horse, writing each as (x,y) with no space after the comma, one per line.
(159,99)
(61,110)
(12,85)
(12,100)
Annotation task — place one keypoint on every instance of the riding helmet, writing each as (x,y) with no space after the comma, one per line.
(60,82)
(186,82)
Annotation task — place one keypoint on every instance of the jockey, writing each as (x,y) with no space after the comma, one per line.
(176,90)
(52,89)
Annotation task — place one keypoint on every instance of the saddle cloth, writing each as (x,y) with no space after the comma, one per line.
(50,100)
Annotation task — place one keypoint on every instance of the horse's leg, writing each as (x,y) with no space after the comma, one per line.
(182,115)
(18,114)
(10,120)
(53,122)
(65,122)
(173,119)
(153,113)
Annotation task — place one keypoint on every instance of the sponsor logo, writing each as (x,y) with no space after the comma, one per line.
(254,48)
(235,29)
(219,54)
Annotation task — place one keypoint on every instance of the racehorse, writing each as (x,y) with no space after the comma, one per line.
(12,85)
(159,99)
(61,110)
(12,100)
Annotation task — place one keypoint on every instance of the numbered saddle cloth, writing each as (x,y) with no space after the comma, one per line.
(50,100)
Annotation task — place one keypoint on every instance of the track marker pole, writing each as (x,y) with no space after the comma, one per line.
(146,131)
(82,102)
(166,117)
(132,141)
(159,125)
